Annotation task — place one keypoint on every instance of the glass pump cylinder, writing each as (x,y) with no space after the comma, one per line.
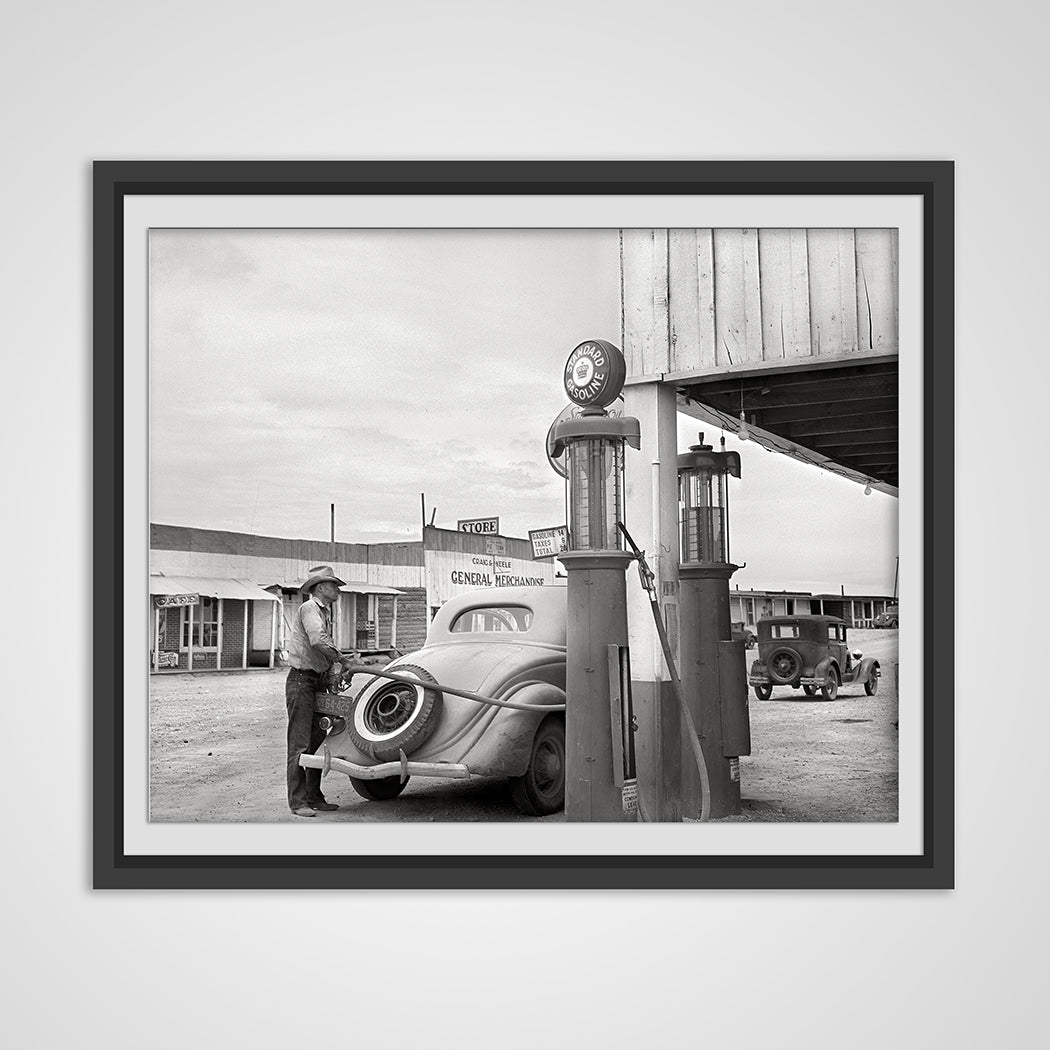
(593,445)
(702,495)
(595,493)
(703,503)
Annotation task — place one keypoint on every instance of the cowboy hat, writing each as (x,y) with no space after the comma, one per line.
(320,574)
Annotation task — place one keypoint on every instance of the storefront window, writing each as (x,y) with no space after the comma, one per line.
(205,624)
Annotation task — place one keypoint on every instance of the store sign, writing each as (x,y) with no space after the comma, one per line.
(483,526)
(168,601)
(548,543)
(496,545)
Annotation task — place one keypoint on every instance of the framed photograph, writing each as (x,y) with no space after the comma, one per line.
(526,525)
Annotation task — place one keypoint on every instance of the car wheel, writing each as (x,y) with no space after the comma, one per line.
(893,624)
(784,666)
(395,716)
(871,686)
(541,790)
(378,790)
(831,689)
(763,692)
(810,690)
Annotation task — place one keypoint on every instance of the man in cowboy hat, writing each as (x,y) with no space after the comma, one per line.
(313,655)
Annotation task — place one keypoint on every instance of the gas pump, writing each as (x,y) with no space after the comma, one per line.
(601,782)
(713,665)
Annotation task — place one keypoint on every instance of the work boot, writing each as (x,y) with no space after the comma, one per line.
(304,811)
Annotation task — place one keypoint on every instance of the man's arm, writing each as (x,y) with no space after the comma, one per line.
(317,632)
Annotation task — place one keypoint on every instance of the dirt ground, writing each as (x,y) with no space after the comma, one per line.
(217,756)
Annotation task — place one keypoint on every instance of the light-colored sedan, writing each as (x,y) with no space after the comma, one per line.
(485,696)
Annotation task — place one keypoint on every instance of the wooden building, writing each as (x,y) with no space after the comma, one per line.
(858,610)
(225,600)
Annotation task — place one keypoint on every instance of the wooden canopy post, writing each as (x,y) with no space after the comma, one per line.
(273,629)
(218,641)
(189,640)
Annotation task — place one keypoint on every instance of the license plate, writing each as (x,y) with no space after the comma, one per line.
(333,704)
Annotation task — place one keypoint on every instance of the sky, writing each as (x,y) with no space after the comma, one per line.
(293,369)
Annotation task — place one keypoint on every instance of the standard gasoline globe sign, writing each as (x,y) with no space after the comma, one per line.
(594,373)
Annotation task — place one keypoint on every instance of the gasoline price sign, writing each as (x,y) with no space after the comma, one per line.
(549,543)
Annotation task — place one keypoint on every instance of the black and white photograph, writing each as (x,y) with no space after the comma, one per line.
(517,525)
(532,513)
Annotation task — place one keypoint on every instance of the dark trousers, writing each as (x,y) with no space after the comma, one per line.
(304,785)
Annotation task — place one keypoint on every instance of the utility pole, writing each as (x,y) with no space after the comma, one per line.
(333,523)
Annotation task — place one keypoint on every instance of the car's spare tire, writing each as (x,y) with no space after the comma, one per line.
(395,716)
(784,665)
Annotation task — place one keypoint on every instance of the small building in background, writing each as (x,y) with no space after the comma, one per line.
(858,610)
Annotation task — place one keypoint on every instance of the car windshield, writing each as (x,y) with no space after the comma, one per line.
(493,618)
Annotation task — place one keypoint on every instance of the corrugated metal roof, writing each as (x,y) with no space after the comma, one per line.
(350,588)
(210,587)
(368,588)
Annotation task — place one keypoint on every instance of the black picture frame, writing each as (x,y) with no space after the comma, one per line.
(932,180)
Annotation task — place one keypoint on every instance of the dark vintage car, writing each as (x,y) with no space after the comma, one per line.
(809,652)
(485,696)
(890,618)
(745,634)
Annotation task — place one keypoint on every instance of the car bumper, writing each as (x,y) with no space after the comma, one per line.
(754,679)
(403,768)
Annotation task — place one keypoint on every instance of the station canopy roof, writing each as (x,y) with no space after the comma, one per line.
(842,419)
(210,587)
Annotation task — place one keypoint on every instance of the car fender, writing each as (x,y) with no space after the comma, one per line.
(820,672)
(868,667)
(499,741)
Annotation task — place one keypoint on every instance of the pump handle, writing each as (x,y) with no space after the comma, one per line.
(645,574)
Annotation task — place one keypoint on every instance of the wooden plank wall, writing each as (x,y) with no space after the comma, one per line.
(720,299)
